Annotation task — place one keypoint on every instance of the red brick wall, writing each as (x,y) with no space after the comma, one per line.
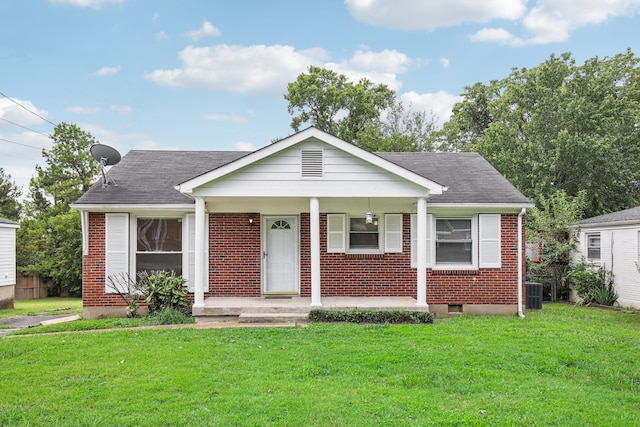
(390,274)
(234,255)
(93,267)
(483,286)
(235,263)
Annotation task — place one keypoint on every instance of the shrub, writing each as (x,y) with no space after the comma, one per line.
(170,316)
(164,290)
(593,284)
(129,291)
(371,316)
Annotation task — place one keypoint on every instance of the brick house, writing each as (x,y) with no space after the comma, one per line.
(313,217)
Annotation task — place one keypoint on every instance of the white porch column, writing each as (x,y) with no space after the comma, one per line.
(422,254)
(200,251)
(314,218)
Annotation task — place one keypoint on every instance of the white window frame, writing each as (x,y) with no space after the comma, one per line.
(587,238)
(377,250)
(474,244)
(338,239)
(134,239)
(431,242)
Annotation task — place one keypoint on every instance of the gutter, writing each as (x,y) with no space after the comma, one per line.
(520,215)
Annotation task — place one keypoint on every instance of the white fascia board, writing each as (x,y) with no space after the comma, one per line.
(130,207)
(610,224)
(483,207)
(433,187)
(6,225)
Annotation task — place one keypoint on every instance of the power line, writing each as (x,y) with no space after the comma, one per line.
(19,143)
(24,127)
(25,108)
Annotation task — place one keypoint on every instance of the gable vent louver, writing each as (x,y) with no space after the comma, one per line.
(312,163)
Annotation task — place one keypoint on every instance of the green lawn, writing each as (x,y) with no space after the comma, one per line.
(563,366)
(29,307)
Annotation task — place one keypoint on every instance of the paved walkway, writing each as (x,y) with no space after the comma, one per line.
(22,322)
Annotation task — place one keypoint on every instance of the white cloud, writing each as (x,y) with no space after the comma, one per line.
(444,62)
(155,17)
(161,35)
(244,146)
(106,71)
(11,111)
(121,109)
(543,22)
(378,67)
(440,104)
(254,69)
(429,15)
(206,30)
(82,110)
(497,35)
(21,155)
(94,4)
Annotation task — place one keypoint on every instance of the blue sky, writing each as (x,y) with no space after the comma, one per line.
(211,75)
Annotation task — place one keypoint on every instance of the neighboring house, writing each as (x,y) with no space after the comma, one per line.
(7,262)
(311,216)
(613,241)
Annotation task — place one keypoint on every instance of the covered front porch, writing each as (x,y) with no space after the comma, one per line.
(293,309)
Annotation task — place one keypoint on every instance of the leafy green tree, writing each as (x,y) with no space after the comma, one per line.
(10,207)
(551,225)
(560,126)
(328,101)
(50,238)
(401,129)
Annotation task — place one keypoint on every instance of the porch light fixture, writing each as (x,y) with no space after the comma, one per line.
(368,217)
(251,220)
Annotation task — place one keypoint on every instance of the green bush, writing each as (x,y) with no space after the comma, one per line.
(593,284)
(164,290)
(170,316)
(371,316)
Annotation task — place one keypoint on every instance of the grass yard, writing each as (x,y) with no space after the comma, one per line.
(30,307)
(563,366)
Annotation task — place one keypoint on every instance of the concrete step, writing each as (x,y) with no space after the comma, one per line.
(280,317)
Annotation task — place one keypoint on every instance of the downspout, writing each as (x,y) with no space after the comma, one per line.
(520,215)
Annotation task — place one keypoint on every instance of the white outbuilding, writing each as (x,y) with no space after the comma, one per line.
(7,262)
(613,241)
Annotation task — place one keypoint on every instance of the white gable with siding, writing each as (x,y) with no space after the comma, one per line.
(303,165)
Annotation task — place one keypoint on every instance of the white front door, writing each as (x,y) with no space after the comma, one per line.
(280,254)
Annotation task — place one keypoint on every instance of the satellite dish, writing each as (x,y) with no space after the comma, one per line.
(106,156)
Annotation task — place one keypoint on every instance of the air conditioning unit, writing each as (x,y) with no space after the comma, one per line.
(533,291)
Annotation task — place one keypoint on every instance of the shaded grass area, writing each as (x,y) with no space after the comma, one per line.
(564,365)
(53,305)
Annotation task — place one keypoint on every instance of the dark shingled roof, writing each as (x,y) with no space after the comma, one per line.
(149,177)
(632,214)
(469,177)
(7,221)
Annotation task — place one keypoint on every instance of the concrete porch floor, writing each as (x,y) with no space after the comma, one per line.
(290,309)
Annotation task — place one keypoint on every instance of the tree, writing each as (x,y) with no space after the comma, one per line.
(10,207)
(552,225)
(50,238)
(560,126)
(331,103)
(401,129)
